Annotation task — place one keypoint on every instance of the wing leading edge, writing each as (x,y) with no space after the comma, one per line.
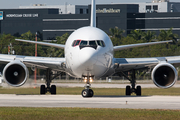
(122,47)
(38,62)
(125,64)
(43,43)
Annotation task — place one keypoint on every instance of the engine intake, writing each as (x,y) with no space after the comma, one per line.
(15,73)
(164,75)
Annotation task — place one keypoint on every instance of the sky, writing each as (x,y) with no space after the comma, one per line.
(7,4)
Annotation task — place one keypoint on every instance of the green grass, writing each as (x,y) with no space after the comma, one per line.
(15,113)
(97,91)
(20,113)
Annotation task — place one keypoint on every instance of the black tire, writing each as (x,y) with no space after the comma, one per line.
(138,90)
(91,93)
(85,93)
(53,90)
(42,90)
(128,90)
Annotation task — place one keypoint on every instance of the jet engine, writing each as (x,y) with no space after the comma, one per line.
(15,73)
(164,75)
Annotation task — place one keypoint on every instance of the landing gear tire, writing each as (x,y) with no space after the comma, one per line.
(87,93)
(42,90)
(138,90)
(49,88)
(132,89)
(53,90)
(128,90)
(91,93)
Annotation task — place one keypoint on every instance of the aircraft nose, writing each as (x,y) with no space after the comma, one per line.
(88,57)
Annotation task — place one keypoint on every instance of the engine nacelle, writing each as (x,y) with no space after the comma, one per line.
(15,73)
(164,75)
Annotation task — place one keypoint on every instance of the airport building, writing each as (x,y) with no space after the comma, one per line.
(158,6)
(63,9)
(52,21)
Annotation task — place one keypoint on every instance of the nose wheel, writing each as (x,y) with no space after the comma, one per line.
(87,92)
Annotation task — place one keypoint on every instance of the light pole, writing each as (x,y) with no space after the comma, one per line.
(10,50)
(35,56)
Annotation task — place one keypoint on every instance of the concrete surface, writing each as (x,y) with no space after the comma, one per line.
(143,102)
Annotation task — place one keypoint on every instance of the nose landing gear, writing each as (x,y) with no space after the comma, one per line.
(87,92)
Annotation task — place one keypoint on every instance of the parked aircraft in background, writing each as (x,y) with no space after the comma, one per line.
(89,54)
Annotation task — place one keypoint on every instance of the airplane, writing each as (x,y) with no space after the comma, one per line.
(89,54)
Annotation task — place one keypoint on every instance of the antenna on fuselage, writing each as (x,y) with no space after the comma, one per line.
(93,14)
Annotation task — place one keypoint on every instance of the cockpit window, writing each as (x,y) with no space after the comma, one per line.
(76,43)
(100,43)
(93,43)
(83,42)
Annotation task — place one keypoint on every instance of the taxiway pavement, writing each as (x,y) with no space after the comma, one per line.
(133,102)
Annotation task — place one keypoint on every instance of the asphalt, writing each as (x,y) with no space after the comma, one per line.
(132,102)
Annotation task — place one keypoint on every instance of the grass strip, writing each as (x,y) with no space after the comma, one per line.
(19,113)
(97,91)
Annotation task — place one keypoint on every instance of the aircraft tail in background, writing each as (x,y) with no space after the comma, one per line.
(93,14)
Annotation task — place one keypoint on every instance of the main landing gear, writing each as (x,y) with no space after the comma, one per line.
(87,92)
(52,88)
(131,89)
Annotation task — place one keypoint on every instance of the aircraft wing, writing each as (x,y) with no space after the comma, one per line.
(38,62)
(125,64)
(43,43)
(122,47)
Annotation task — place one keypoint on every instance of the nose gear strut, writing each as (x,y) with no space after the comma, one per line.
(87,92)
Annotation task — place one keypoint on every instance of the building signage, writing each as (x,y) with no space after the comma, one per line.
(21,15)
(110,10)
(1,15)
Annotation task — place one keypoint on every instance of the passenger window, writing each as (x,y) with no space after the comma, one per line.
(92,42)
(100,43)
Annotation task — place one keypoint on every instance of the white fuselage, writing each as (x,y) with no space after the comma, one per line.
(88,52)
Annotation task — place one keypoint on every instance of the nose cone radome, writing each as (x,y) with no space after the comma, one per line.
(87,57)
